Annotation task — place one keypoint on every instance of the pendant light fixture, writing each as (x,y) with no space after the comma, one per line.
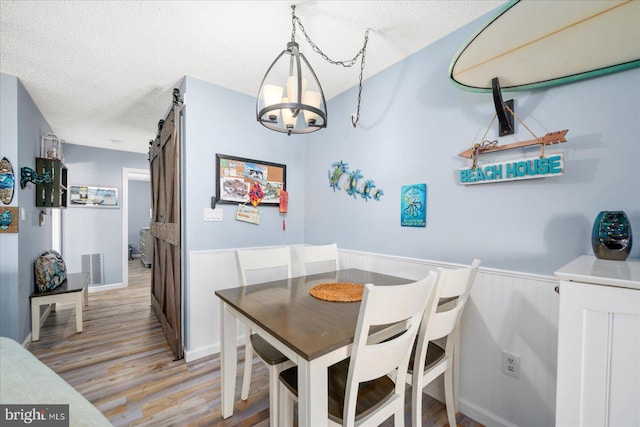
(290,98)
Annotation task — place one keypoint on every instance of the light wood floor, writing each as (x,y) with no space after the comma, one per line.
(122,364)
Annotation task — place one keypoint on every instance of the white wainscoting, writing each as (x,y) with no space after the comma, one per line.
(517,313)
(208,272)
(512,311)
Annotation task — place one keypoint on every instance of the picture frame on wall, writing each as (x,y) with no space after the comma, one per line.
(235,176)
(93,196)
(9,219)
(413,205)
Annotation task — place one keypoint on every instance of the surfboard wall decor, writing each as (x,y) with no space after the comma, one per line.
(7,181)
(538,43)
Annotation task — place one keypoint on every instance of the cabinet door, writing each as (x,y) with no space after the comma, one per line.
(598,356)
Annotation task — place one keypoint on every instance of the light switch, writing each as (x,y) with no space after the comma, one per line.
(212,214)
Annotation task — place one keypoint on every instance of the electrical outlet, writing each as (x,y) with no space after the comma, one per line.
(511,364)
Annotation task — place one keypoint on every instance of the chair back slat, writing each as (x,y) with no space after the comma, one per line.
(442,323)
(251,260)
(458,280)
(323,256)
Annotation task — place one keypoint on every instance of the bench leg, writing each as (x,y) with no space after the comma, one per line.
(35,321)
(79,303)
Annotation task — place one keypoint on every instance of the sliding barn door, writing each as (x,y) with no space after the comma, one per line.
(166,287)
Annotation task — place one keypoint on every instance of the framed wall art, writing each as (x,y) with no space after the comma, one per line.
(93,196)
(413,205)
(9,219)
(237,179)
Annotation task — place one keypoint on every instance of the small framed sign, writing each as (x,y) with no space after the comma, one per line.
(248,214)
(413,205)
(93,196)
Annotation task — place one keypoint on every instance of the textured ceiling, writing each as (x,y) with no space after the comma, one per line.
(102,72)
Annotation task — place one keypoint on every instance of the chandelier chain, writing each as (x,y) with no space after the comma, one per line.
(349,63)
(366,39)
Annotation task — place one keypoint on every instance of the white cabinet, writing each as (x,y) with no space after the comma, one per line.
(598,381)
(146,246)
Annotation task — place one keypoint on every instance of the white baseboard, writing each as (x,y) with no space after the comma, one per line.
(191,355)
(483,416)
(209,350)
(100,288)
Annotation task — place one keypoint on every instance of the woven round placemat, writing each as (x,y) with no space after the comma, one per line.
(338,292)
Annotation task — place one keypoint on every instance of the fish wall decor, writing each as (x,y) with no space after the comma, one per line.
(353,184)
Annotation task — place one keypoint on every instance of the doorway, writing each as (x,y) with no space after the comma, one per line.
(128,175)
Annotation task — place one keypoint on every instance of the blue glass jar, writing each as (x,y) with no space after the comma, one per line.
(611,236)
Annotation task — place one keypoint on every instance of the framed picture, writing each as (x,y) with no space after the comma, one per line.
(9,219)
(413,205)
(93,196)
(237,178)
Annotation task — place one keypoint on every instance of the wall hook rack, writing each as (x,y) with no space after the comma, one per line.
(505,125)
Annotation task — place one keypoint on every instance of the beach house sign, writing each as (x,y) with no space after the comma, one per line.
(513,170)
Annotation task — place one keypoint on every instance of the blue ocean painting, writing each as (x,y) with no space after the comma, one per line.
(413,205)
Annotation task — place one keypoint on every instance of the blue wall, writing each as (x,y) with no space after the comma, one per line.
(222,121)
(9,242)
(96,230)
(22,126)
(413,124)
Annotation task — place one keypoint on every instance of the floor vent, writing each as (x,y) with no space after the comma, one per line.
(92,264)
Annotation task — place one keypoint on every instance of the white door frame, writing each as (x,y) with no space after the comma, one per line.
(56,230)
(128,174)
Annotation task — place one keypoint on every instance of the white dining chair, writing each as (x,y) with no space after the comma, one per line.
(432,358)
(272,263)
(360,389)
(317,259)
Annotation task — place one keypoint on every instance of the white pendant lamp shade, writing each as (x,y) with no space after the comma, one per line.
(292,71)
(272,96)
(313,99)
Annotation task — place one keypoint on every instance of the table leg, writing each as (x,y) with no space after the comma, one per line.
(79,300)
(35,320)
(85,291)
(312,394)
(228,359)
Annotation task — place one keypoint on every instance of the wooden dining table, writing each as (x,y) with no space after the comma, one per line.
(313,333)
